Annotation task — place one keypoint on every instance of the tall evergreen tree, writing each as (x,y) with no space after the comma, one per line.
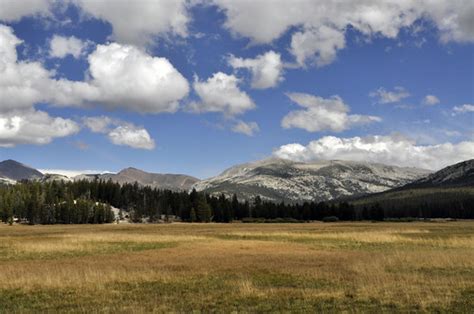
(203,209)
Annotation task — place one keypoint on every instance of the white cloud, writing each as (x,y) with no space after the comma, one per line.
(13,10)
(322,114)
(138,22)
(430,100)
(320,45)
(120,132)
(21,83)
(61,46)
(98,124)
(265,21)
(387,97)
(135,22)
(129,135)
(323,23)
(247,128)
(463,109)
(126,77)
(454,19)
(220,93)
(33,127)
(266,69)
(119,76)
(393,149)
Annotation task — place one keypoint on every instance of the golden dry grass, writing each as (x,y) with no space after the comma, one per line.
(355,267)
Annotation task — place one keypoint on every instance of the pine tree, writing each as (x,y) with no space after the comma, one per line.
(192,215)
(203,209)
(234,206)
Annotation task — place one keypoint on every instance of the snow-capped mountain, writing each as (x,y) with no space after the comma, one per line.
(284,180)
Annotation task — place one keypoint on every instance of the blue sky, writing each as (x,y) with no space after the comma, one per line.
(197,86)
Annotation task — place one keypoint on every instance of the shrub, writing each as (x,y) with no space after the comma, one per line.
(330,219)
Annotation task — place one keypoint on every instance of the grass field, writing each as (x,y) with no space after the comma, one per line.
(353,267)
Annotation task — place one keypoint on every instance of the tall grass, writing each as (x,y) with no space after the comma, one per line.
(238,267)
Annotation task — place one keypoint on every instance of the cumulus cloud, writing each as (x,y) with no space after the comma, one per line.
(21,83)
(221,93)
(98,124)
(384,96)
(266,69)
(463,109)
(265,21)
(321,24)
(247,128)
(123,76)
(120,132)
(14,10)
(430,100)
(33,127)
(60,47)
(133,22)
(319,45)
(119,77)
(138,22)
(321,114)
(393,149)
(130,135)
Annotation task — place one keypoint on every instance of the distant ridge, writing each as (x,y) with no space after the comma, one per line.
(175,182)
(14,170)
(460,174)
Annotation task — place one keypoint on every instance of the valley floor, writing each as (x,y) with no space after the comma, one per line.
(356,267)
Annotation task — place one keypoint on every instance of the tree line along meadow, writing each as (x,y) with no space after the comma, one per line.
(89,202)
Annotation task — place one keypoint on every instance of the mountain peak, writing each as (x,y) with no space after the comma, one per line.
(12,162)
(130,170)
(15,170)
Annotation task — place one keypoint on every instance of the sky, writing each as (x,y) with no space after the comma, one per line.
(194,87)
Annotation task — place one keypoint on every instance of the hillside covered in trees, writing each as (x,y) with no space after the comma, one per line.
(91,201)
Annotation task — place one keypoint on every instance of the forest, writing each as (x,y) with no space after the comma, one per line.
(89,202)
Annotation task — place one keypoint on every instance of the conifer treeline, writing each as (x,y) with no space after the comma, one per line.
(88,202)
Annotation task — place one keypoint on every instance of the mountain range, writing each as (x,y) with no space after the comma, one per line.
(12,171)
(174,182)
(284,180)
(273,179)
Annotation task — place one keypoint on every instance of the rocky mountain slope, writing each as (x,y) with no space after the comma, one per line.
(284,180)
(50,177)
(460,174)
(156,180)
(11,170)
(449,187)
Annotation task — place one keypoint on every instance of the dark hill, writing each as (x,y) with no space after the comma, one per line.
(15,170)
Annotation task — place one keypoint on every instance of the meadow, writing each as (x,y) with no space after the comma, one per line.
(307,267)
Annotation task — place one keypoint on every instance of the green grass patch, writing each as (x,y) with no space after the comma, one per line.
(89,249)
